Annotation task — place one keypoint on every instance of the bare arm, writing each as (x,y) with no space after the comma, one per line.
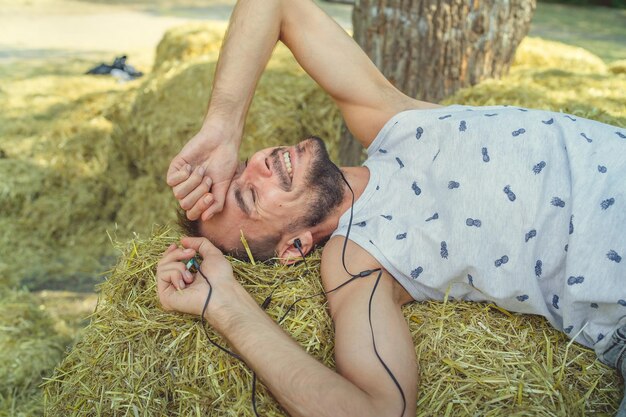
(367,100)
(302,385)
(354,351)
(325,51)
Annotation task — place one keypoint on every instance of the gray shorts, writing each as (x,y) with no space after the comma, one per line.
(615,357)
(615,352)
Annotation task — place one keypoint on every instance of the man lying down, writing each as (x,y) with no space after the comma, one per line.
(522,208)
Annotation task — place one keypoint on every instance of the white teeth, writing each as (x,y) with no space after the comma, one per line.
(287,159)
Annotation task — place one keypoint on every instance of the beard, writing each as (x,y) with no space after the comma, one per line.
(326,183)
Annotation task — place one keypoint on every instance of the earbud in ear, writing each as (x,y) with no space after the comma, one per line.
(297,244)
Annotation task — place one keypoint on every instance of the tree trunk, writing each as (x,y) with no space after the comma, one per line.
(429,49)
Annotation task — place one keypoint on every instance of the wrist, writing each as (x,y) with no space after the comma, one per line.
(229,306)
(222,126)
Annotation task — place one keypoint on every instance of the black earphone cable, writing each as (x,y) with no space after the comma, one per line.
(268,299)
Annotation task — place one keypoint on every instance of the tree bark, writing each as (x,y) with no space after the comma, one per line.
(429,49)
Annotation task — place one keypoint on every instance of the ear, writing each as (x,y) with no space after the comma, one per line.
(288,252)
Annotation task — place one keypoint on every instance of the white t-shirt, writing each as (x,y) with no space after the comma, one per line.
(523,208)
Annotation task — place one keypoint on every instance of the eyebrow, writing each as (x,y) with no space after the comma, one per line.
(241,203)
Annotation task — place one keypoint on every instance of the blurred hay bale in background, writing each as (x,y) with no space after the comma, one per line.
(539,53)
(186,42)
(618,67)
(474,359)
(30,347)
(553,76)
(55,142)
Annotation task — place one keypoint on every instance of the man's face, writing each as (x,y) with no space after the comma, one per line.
(278,190)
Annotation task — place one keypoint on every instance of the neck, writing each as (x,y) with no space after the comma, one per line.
(358,178)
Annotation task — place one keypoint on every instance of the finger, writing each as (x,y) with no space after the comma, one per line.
(218,191)
(201,205)
(196,194)
(176,279)
(168,280)
(202,245)
(177,174)
(181,268)
(177,255)
(185,187)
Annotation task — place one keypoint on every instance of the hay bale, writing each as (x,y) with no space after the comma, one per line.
(55,202)
(475,359)
(600,97)
(30,348)
(540,53)
(22,182)
(186,42)
(157,205)
(618,67)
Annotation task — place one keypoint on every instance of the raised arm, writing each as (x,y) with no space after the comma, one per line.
(323,49)
(366,99)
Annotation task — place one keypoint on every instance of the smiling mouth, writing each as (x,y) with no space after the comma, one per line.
(287,159)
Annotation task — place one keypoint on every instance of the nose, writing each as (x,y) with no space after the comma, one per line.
(258,166)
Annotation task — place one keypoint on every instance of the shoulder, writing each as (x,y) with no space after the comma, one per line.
(342,259)
(356,258)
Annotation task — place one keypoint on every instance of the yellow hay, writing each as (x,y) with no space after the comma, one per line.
(474,360)
(183,43)
(618,67)
(539,53)
(30,347)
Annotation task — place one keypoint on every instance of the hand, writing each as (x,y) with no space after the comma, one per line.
(182,291)
(201,172)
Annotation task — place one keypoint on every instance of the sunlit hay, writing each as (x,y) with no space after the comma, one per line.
(55,138)
(149,201)
(189,41)
(618,67)
(554,76)
(30,348)
(540,53)
(22,182)
(474,359)
(599,97)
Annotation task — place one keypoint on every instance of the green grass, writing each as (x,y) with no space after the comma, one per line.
(598,29)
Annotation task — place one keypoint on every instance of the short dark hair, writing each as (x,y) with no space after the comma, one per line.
(262,249)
